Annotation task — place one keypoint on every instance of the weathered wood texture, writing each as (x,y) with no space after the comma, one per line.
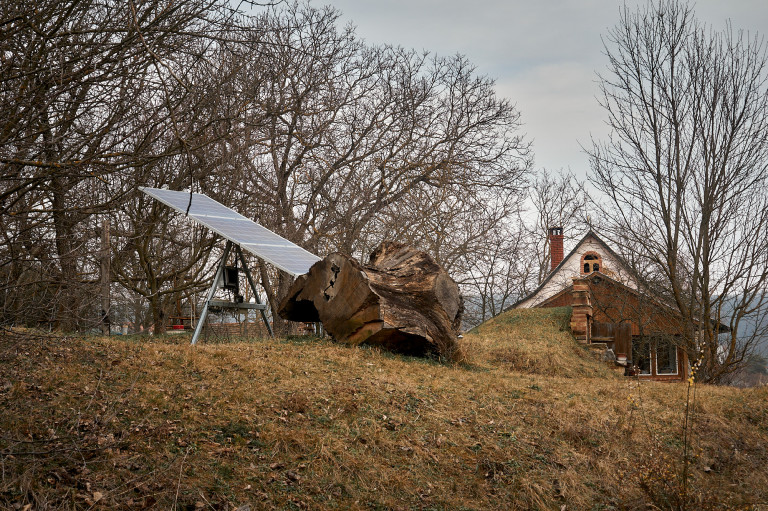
(401,300)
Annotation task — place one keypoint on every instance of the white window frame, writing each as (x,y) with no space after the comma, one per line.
(651,353)
(656,360)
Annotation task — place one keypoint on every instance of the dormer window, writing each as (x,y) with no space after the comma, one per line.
(590,262)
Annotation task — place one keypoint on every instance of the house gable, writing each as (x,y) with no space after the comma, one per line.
(590,250)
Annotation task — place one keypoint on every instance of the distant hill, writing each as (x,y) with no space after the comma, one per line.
(749,325)
(531,421)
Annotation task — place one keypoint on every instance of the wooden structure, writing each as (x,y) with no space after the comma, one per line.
(643,333)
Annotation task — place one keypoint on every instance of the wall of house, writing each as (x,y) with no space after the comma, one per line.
(614,304)
(562,299)
(610,305)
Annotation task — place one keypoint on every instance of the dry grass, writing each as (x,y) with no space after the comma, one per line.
(292,424)
(534,341)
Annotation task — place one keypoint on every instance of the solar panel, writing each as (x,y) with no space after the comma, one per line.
(238,229)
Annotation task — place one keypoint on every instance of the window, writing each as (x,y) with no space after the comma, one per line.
(591,261)
(666,356)
(641,355)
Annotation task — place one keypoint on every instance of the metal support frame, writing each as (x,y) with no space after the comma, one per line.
(219,303)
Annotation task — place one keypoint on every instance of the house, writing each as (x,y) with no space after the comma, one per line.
(610,307)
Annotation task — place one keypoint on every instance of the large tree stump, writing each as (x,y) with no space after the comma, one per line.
(402,301)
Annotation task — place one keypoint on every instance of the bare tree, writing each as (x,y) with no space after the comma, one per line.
(559,200)
(499,272)
(685,172)
(91,94)
(348,143)
(514,256)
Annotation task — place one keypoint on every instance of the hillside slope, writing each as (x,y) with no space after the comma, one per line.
(308,424)
(535,341)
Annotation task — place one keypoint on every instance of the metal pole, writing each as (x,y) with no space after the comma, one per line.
(253,288)
(214,286)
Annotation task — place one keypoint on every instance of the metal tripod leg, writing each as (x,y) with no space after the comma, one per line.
(214,286)
(253,288)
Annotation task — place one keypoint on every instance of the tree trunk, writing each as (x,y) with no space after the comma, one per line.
(105,277)
(402,301)
(69,296)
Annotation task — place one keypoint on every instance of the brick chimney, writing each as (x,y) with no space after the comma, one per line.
(556,246)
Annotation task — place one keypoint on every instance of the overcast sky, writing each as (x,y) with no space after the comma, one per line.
(543,54)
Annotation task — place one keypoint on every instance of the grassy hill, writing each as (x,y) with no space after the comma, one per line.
(531,421)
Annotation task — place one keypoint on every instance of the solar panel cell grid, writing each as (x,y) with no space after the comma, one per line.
(233,226)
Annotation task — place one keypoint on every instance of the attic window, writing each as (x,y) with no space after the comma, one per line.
(590,262)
